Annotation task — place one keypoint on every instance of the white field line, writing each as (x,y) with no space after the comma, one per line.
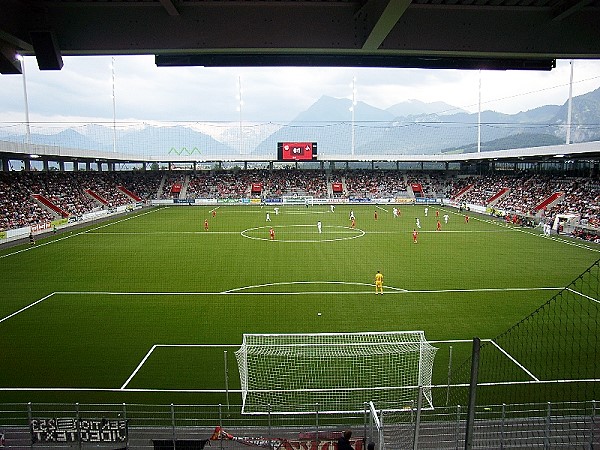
(200,345)
(356,231)
(583,295)
(515,361)
(573,242)
(138,367)
(80,233)
(27,307)
(456,341)
(236,391)
(145,358)
(484,290)
(156,233)
(381,207)
(82,389)
(240,290)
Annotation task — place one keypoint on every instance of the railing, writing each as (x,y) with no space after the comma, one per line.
(572,425)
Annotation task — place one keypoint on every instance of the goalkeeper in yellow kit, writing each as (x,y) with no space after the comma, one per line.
(378,283)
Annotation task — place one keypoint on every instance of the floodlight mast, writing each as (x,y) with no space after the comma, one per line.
(114,105)
(27,128)
(352,109)
(570,105)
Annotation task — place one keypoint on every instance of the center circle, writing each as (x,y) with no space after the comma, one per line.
(262,233)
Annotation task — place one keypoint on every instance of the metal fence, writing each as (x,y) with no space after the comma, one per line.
(541,425)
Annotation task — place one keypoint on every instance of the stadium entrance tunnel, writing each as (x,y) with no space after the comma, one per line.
(303,233)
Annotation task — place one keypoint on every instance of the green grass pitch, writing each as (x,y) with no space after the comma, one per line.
(143,308)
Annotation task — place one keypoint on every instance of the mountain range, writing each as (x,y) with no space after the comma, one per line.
(410,127)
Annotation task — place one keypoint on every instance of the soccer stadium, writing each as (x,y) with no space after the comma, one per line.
(422,283)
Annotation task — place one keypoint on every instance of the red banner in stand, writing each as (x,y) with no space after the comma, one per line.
(320,441)
(257,188)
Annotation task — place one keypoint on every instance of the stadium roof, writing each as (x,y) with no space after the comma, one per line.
(497,34)
(581,151)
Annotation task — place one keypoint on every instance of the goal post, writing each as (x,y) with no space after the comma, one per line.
(333,372)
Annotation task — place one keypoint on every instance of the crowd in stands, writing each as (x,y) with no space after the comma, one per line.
(69,191)
(16,208)
(578,196)
(374,183)
(296,182)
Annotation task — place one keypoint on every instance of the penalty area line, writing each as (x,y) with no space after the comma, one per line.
(519,365)
(88,389)
(138,367)
(145,358)
(240,290)
(27,307)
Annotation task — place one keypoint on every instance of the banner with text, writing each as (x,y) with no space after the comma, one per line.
(78,430)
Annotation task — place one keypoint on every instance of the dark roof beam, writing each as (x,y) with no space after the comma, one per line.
(170,7)
(9,63)
(568,8)
(387,20)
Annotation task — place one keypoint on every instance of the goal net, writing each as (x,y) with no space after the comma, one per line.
(333,372)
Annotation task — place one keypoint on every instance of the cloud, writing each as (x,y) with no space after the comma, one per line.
(144,92)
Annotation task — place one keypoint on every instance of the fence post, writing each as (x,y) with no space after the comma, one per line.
(78,424)
(173,425)
(226,379)
(449,375)
(126,427)
(593,423)
(220,425)
(269,425)
(472,394)
(418,419)
(502,426)
(317,423)
(547,428)
(365,419)
(30,417)
(457,432)
(381,444)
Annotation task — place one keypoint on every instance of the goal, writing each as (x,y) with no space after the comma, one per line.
(298,200)
(333,372)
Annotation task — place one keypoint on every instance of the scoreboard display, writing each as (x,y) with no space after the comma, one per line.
(296,151)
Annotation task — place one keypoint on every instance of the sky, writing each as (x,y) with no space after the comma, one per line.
(83,90)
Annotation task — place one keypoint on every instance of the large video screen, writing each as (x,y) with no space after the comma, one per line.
(296,151)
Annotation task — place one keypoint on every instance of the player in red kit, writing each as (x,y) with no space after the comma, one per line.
(271,234)
(439,226)
(353,223)
(205,224)
(214,213)
(466,219)
(375,215)
(415,236)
